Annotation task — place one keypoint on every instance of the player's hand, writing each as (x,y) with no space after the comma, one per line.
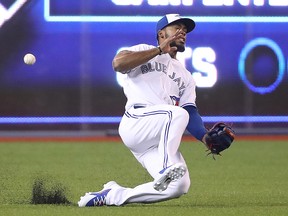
(165,45)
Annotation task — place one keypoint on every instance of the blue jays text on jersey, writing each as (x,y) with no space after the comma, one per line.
(160,67)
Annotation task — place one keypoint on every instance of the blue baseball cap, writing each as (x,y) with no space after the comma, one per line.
(172,18)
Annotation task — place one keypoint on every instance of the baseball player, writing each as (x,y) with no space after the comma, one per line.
(160,107)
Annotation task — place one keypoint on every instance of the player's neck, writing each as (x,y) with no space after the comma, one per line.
(173,55)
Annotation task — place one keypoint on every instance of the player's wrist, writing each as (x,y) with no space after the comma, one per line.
(160,50)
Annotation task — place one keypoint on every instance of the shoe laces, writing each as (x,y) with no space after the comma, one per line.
(100,198)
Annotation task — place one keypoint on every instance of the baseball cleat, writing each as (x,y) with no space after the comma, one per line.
(94,199)
(169,174)
(97,198)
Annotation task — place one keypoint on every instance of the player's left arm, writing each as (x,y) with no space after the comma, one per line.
(216,139)
(187,101)
(195,124)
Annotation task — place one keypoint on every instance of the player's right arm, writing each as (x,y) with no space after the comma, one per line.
(126,60)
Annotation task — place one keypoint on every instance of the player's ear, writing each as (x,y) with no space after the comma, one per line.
(161,34)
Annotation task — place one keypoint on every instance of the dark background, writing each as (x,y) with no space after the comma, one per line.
(73,75)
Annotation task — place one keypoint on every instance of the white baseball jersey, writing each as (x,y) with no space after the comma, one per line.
(162,80)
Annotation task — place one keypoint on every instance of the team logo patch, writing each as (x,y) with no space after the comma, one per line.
(175,100)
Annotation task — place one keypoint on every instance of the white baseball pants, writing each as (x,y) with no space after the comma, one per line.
(153,134)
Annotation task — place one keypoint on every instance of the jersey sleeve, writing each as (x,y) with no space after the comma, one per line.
(139,47)
(189,95)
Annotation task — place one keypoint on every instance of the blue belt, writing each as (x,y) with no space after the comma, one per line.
(139,106)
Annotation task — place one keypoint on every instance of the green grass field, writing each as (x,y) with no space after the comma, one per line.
(251,178)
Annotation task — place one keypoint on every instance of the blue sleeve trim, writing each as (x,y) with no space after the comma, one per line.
(188,104)
(195,125)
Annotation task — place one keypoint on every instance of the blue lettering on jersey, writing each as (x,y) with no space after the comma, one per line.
(160,67)
(179,82)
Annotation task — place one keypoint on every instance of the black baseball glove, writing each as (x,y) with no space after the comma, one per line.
(219,138)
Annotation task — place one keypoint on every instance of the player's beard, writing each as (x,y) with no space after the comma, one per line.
(180,46)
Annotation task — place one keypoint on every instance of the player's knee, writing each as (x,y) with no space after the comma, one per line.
(182,115)
(182,187)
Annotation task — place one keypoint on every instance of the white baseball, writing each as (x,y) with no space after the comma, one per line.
(29,59)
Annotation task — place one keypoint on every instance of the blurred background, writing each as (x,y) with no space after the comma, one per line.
(237,54)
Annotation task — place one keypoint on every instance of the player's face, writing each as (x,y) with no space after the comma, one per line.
(179,43)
